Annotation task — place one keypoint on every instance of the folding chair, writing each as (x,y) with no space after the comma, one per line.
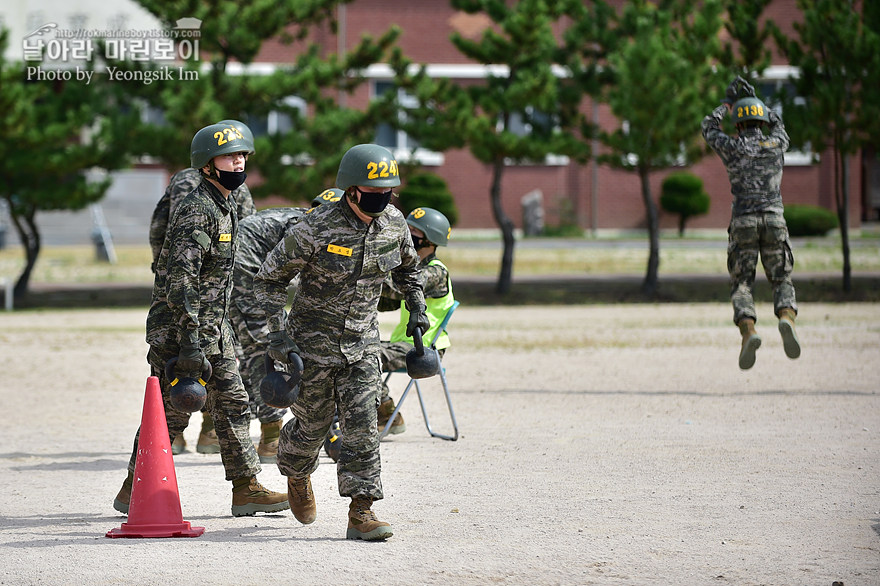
(412,381)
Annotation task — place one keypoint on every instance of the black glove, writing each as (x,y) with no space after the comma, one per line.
(417,319)
(190,361)
(280,345)
(731,95)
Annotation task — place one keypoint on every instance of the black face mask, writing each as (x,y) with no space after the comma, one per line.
(373,204)
(231,180)
(418,241)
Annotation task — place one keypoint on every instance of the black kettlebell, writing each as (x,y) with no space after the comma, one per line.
(280,389)
(421,362)
(188,394)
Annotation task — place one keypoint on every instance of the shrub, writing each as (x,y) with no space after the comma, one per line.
(809,220)
(683,194)
(427,190)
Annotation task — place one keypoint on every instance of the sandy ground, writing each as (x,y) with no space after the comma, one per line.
(599,445)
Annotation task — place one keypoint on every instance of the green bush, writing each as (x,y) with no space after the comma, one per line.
(427,190)
(808,220)
(682,193)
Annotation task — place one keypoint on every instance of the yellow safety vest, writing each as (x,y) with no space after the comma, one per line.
(437,308)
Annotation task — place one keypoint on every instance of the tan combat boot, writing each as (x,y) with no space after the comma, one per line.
(123,497)
(362,522)
(750,343)
(250,497)
(789,337)
(302,499)
(178,446)
(386,408)
(208,442)
(270,432)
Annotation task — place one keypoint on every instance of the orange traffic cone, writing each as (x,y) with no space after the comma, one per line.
(154,510)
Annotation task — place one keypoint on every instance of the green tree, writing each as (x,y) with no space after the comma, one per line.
(663,84)
(748,47)
(683,194)
(838,54)
(55,132)
(300,161)
(523,90)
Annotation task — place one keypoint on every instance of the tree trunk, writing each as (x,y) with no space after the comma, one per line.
(29,235)
(844,225)
(506,225)
(841,198)
(649,286)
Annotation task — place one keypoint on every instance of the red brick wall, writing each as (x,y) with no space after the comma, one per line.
(426,27)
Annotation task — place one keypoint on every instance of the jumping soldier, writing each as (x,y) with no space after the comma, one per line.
(342,252)
(754,164)
(188,316)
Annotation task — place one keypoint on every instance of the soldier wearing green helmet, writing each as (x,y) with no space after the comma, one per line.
(754,162)
(188,317)
(429,229)
(181,184)
(342,253)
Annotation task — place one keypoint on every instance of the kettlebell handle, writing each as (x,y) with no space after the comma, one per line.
(207,370)
(293,359)
(417,342)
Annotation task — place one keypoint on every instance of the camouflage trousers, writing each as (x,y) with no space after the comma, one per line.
(393,357)
(748,236)
(228,404)
(253,339)
(354,388)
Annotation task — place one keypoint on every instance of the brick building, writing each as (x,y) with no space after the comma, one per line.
(597,197)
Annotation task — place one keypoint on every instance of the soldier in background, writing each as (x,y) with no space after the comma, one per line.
(754,164)
(188,316)
(258,235)
(342,252)
(180,185)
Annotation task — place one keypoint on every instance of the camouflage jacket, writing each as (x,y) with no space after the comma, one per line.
(194,274)
(435,283)
(180,185)
(257,235)
(341,262)
(753,161)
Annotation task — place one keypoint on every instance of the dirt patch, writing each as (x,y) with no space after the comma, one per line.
(599,445)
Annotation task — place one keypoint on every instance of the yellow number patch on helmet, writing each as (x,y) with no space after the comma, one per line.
(341,250)
(418,213)
(449,233)
(227,135)
(328,195)
(382,169)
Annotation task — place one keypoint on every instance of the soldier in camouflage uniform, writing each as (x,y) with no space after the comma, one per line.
(182,184)
(342,252)
(188,316)
(754,164)
(428,228)
(258,234)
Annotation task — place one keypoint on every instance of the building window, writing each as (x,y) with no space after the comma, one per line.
(775,82)
(404,147)
(533,122)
